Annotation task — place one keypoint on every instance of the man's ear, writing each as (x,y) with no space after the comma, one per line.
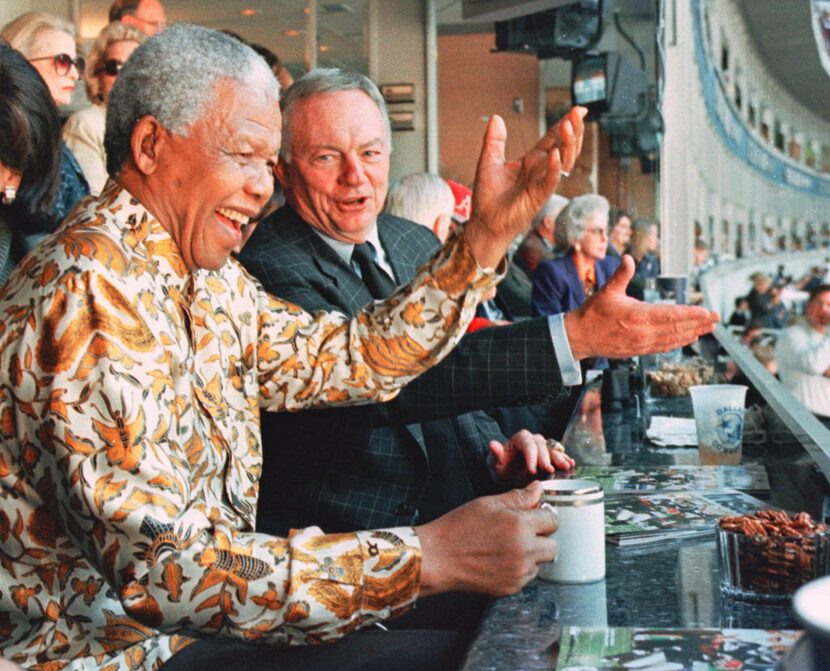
(148,140)
(280,171)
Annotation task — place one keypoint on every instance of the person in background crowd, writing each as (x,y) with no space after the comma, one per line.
(563,284)
(48,43)
(30,155)
(769,243)
(146,15)
(425,199)
(802,353)
(619,222)
(136,359)
(778,315)
(280,71)
(759,296)
(813,279)
(742,314)
(84,130)
(539,244)
(645,242)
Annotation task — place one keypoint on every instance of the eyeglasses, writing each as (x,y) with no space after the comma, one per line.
(597,231)
(63,62)
(112,67)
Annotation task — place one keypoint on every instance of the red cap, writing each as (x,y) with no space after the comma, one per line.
(463,201)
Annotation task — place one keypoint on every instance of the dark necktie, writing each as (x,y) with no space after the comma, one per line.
(379,284)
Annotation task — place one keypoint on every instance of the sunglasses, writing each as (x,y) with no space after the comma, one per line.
(112,67)
(63,62)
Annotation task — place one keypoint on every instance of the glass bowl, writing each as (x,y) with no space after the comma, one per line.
(770,568)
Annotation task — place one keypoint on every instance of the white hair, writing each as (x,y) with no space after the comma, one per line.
(420,197)
(173,77)
(570,224)
(552,207)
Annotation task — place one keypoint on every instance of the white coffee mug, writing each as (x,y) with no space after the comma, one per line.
(581,532)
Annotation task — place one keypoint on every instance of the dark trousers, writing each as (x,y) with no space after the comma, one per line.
(368,650)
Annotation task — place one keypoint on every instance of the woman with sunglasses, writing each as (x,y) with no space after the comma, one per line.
(30,155)
(84,130)
(48,43)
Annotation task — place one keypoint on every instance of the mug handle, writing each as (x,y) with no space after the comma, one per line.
(550,507)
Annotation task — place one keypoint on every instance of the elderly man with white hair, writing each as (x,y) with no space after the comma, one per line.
(425,199)
(540,244)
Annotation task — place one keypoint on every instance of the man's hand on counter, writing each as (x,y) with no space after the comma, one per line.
(492,545)
(614,325)
(525,456)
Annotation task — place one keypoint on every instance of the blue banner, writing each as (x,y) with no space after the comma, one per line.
(735,134)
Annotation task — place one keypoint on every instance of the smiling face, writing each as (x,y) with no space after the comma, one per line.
(119,52)
(47,44)
(339,171)
(204,188)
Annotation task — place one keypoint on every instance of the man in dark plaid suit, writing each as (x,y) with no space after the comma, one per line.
(376,466)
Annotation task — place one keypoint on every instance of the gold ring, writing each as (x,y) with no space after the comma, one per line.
(555,445)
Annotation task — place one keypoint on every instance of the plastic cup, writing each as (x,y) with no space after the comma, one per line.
(719,419)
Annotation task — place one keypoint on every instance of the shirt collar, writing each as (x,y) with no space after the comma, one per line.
(344,249)
(145,231)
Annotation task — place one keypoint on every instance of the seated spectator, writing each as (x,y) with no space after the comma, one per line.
(29,155)
(564,283)
(802,353)
(759,296)
(619,238)
(778,314)
(148,16)
(742,314)
(645,243)
(752,333)
(539,244)
(48,42)
(425,199)
(84,130)
(813,279)
(280,71)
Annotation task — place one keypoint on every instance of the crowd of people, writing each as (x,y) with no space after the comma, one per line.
(160,508)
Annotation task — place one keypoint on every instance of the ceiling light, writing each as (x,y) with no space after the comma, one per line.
(249,12)
(324,48)
(292,33)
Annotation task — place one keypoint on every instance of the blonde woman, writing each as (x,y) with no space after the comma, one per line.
(84,130)
(48,43)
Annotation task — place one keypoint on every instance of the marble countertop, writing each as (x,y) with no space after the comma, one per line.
(666,584)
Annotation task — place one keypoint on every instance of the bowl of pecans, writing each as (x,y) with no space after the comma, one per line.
(768,555)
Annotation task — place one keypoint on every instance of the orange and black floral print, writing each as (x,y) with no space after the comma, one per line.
(130,393)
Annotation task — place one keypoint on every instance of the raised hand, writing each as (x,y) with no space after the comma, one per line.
(508,194)
(611,324)
(491,545)
(523,456)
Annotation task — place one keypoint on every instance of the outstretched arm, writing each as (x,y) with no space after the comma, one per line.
(614,325)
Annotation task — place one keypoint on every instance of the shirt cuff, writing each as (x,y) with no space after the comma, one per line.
(568,366)
(391,571)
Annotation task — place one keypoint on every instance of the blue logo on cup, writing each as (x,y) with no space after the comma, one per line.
(729,429)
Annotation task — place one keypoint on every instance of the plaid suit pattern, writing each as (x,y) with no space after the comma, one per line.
(366,467)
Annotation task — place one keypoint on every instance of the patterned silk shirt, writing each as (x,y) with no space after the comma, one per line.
(130,392)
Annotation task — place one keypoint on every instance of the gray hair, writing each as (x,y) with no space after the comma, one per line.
(109,35)
(173,77)
(552,207)
(570,224)
(420,197)
(319,82)
(22,33)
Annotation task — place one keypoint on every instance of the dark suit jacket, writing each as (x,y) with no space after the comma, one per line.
(557,288)
(368,467)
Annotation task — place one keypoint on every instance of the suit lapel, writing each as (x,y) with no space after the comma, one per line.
(572,277)
(351,293)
